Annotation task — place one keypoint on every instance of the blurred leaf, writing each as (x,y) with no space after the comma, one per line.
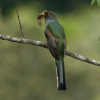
(93,1)
(98,1)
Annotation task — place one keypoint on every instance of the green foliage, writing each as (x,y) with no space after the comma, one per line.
(93,1)
(28,72)
(98,2)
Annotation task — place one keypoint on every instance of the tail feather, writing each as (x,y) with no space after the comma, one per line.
(60,75)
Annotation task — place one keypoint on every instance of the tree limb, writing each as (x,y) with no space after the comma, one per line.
(42,44)
(20,24)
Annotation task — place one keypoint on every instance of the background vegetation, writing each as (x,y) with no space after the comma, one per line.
(28,72)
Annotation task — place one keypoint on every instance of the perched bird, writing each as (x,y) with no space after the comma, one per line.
(56,42)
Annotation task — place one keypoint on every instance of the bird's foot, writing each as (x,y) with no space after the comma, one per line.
(45,43)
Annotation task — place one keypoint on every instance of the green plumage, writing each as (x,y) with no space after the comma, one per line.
(56,40)
(60,74)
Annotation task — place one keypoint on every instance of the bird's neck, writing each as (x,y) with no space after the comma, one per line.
(48,21)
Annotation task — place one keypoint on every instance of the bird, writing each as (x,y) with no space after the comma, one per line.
(56,42)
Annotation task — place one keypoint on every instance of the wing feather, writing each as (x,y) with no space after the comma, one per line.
(56,40)
(52,44)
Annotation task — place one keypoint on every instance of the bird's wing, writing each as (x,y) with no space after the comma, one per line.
(52,43)
(62,33)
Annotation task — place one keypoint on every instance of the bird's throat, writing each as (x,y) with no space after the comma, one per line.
(48,21)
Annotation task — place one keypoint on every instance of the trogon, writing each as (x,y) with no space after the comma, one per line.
(56,42)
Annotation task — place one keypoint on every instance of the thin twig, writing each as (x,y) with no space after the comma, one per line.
(42,44)
(20,24)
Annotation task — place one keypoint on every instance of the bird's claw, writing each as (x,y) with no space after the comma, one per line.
(45,43)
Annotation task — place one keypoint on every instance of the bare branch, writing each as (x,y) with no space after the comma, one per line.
(42,44)
(20,24)
(79,57)
(21,40)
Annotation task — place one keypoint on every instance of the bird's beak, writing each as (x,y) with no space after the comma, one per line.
(39,18)
(42,15)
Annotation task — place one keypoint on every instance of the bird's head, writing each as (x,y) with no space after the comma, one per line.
(48,15)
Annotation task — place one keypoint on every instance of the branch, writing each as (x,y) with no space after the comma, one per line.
(20,24)
(42,44)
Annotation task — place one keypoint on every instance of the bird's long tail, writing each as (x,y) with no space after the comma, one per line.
(61,85)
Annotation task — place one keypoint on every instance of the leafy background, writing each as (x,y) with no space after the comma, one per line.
(28,72)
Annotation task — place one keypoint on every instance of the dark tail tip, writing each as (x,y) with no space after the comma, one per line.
(62,87)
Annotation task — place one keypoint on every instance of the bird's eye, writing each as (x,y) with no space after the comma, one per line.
(48,13)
